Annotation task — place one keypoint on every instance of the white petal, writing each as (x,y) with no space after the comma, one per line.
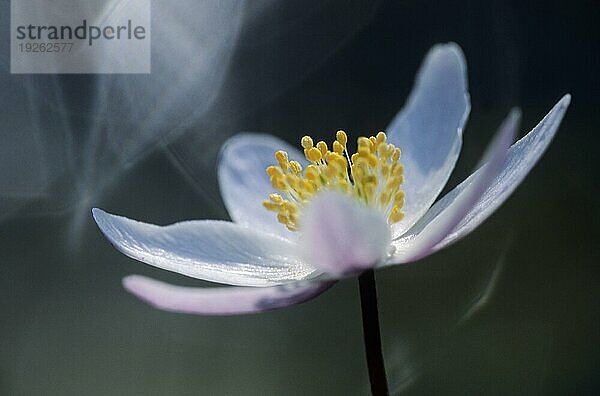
(221,300)
(341,236)
(244,182)
(441,219)
(522,156)
(428,130)
(216,251)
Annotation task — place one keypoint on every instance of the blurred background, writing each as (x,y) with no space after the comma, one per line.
(512,309)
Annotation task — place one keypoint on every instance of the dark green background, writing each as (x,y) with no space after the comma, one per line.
(69,328)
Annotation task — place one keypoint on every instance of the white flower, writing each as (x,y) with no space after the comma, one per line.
(339,233)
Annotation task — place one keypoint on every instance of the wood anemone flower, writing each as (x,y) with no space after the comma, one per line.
(325,214)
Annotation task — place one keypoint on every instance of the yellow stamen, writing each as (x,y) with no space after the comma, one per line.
(296,167)
(337,147)
(306,142)
(342,138)
(282,158)
(313,154)
(372,175)
(322,146)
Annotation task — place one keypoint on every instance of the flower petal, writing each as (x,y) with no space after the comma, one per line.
(522,156)
(244,182)
(341,236)
(216,251)
(441,219)
(221,300)
(428,130)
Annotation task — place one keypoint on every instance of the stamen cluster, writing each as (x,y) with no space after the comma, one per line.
(373,175)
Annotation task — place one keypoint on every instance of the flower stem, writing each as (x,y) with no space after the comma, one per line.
(371,333)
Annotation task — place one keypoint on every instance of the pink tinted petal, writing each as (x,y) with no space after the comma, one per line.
(522,157)
(341,236)
(221,300)
(421,239)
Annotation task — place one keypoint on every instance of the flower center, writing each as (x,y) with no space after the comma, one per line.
(372,175)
